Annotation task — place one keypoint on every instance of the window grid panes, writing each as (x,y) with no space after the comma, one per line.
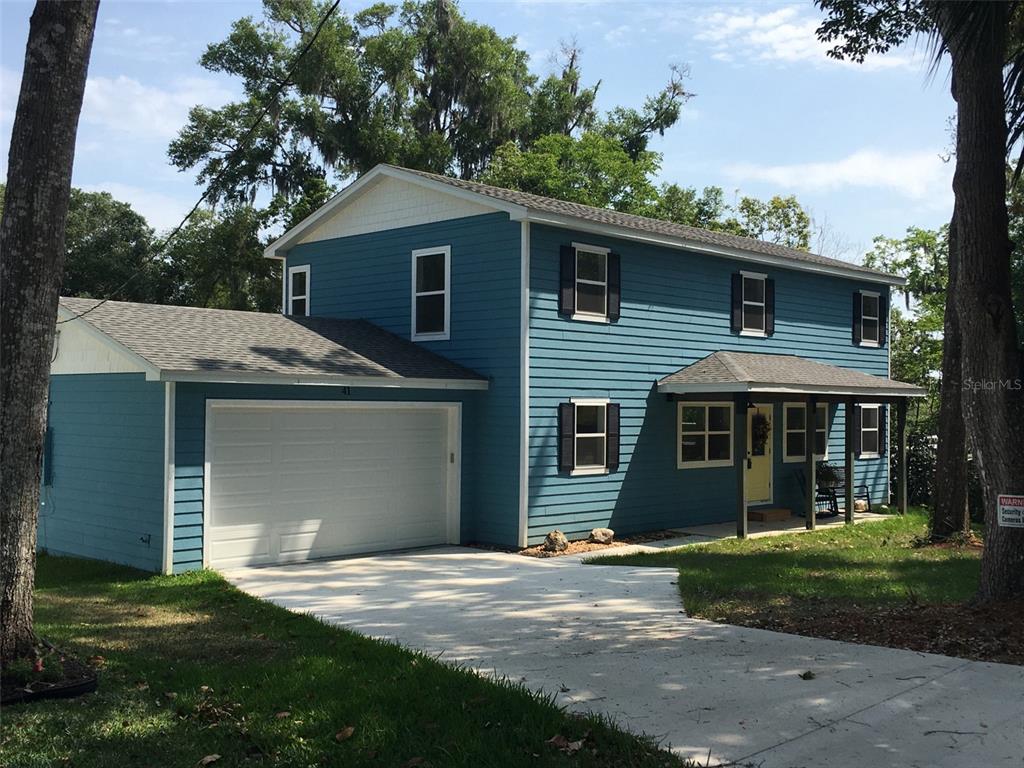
(753,304)
(869,318)
(795,431)
(591,282)
(591,436)
(705,435)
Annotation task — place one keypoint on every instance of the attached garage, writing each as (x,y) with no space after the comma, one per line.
(289,481)
(187,438)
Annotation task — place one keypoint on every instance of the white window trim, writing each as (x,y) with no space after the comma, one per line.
(292,271)
(591,317)
(877,429)
(786,458)
(876,317)
(446,333)
(680,464)
(595,469)
(763,304)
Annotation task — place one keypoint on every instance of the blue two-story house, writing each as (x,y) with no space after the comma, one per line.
(460,363)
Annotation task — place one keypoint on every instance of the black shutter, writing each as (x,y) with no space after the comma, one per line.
(883,316)
(769,307)
(567,293)
(883,428)
(858,323)
(737,303)
(566,437)
(614,286)
(857,451)
(612,436)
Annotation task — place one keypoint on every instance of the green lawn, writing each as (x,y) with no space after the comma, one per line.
(874,563)
(193,668)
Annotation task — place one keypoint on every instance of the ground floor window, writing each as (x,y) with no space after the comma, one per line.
(870,430)
(795,427)
(704,435)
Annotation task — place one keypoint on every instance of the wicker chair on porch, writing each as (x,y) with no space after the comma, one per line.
(830,485)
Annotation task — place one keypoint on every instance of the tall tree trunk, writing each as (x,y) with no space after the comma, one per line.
(31,265)
(950,514)
(975,35)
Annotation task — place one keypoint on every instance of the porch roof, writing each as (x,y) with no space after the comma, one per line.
(732,372)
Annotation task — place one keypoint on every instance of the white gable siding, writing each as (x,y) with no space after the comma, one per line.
(79,351)
(390,204)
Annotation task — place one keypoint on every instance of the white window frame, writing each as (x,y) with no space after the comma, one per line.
(680,464)
(446,333)
(877,429)
(577,314)
(761,332)
(786,456)
(292,271)
(877,317)
(594,469)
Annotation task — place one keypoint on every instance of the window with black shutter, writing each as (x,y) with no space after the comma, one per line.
(590,285)
(588,436)
(753,304)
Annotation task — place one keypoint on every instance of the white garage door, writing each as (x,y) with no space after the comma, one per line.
(299,481)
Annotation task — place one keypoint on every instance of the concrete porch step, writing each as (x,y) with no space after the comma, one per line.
(769,514)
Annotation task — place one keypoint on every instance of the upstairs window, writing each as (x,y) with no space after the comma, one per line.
(431,300)
(298,290)
(795,427)
(753,304)
(869,315)
(704,436)
(590,283)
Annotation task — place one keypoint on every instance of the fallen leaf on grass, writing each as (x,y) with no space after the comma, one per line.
(209,759)
(345,733)
(283,714)
(97,661)
(170,695)
(559,742)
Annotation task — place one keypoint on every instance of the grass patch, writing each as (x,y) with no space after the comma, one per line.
(191,667)
(872,583)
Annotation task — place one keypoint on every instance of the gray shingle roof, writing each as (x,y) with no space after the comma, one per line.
(753,372)
(254,344)
(648,225)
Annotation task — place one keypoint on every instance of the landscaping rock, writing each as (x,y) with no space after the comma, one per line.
(860,505)
(555,542)
(602,535)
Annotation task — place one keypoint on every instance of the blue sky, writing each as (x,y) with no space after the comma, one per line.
(860,146)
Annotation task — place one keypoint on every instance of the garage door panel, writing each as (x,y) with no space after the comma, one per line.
(302,482)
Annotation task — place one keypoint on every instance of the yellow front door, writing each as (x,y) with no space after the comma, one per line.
(759,455)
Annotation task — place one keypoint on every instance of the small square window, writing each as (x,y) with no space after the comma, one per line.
(705,435)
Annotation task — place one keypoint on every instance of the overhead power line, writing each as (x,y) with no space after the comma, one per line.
(224,169)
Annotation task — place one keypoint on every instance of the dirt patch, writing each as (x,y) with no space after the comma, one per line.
(575,547)
(985,633)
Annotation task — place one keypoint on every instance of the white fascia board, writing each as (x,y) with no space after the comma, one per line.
(609,230)
(152,372)
(241,377)
(783,389)
(293,235)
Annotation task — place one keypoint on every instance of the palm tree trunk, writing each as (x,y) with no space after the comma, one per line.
(975,36)
(31,266)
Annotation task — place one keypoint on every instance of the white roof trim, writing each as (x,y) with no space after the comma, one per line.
(787,389)
(296,233)
(152,372)
(242,377)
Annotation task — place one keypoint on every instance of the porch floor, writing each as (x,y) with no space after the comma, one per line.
(703,534)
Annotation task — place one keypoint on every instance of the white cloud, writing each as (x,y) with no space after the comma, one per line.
(786,35)
(919,176)
(123,105)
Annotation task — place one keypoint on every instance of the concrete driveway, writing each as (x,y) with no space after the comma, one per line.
(615,640)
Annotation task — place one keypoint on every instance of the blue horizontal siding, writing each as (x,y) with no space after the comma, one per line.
(190,447)
(675,311)
(106,494)
(369,276)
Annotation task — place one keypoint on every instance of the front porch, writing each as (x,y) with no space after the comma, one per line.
(754,385)
(757,529)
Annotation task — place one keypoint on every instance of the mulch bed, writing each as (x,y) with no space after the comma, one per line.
(983,633)
(575,547)
(59,676)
